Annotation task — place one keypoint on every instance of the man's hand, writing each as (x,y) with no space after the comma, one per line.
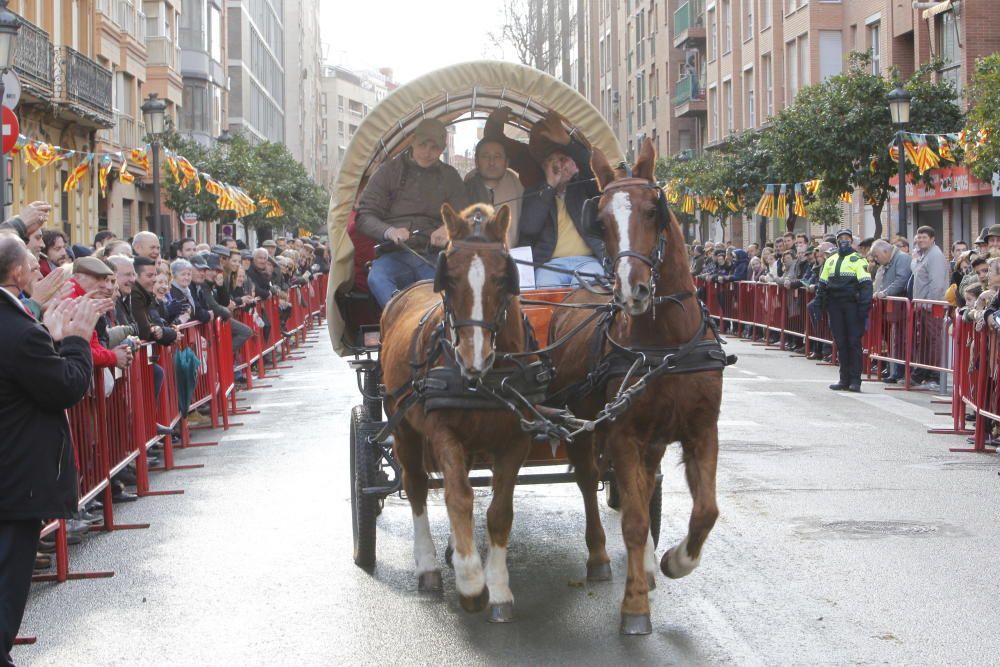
(156,331)
(439,239)
(44,289)
(35,215)
(551,127)
(880,295)
(398,235)
(57,317)
(84,318)
(123,356)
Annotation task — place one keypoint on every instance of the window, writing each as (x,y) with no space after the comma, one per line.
(727,101)
(831,51)
(215,33)
(713,35)
(340,102)
(127,228)
(748,18)
(791,72)
(195,108)
(727,26)
(946,31)
(193,28)
(765,15)
(792,5)
(767,84)
(749,95)
(713,114)
(640,42)
(804,78)
(875,46)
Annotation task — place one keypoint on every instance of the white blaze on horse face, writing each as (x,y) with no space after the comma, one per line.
(423,544)
(497,577)
(621,212)
(477,280)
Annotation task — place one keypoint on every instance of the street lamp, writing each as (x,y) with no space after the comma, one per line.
(9,27)
(154,111)
(899,109)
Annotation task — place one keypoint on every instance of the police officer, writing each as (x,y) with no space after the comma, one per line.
(845,292)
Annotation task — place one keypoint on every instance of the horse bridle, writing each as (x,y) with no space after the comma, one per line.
(654,260)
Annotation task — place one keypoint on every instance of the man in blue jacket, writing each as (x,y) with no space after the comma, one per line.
(38,382)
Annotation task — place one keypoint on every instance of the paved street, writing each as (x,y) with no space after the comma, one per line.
(847,535)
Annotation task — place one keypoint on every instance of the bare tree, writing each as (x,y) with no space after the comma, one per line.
(523,31)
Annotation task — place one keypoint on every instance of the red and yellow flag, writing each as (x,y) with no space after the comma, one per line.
(73,182)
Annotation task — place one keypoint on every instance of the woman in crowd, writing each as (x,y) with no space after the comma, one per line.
(961,267)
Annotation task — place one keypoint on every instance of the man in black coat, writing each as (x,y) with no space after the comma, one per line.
(38,478)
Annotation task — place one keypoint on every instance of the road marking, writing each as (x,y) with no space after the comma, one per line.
(899,408)
(257,435)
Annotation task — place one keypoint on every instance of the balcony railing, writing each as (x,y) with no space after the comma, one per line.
(33,60)
(83,85)
(687,16)
(687,90)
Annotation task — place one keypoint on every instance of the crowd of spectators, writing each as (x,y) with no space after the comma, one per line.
(966,278)
(146,294)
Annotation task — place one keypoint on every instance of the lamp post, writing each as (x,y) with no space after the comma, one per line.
(154,112)
(9,27)
(899,109)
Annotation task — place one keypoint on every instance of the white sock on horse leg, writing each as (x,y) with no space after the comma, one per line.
(469,579)
(497,577)
(649,562)
(423,545)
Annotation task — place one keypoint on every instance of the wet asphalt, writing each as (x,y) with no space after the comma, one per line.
(847,535)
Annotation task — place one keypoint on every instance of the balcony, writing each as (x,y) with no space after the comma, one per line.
(83,87)
(689,23)
(689,98)
(160,51)
(33,60)
(125,16)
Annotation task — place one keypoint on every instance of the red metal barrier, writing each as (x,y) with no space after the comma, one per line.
(887,339)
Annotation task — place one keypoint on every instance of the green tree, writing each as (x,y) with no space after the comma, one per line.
(983,95)
(840,130)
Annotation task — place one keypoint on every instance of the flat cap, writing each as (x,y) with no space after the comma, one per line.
(246,254)
(269,244)
(221,251)
(92,267)
(212,261)
(198,262)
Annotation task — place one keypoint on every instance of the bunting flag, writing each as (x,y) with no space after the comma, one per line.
(847,197)
(812,187)
(40,155)
(800,200)
(894,153)
(190,174)
(873,165)
(103,169)
(911,151)
(276,210)
(765,207)
(944,149)
(688,205)
(782,209)
(710,204)
(73,182)
(925,158)
(172,165)
(141,157)
(124,175)
(733,203)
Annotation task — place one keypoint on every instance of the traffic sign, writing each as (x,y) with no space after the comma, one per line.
(189,218)
(11,89)
(11,129)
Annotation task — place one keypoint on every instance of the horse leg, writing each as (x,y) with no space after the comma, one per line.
(701,453)
(581,456)
(635,492)
(409,453)
(469,578)
(499,518)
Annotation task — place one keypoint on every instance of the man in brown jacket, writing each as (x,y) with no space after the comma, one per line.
(405,197)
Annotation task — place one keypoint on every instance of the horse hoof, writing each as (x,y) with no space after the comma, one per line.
(651,580)
(599,572)
(636,624)
(502,613)
(676,563)
(475,603)
(430,582)
(448,552)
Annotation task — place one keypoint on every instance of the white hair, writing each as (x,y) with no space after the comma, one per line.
(121,260)
(179,265)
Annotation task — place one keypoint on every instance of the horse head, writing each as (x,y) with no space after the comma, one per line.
(633,212)
(476,278)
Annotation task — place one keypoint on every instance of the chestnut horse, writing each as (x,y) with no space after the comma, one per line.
(658,310)
(476,317)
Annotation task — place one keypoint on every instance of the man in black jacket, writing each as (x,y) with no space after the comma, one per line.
(38,478)
(551,215)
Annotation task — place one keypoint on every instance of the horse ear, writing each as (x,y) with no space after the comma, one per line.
(497,226)
(457,227)
(601,168)
(645,166)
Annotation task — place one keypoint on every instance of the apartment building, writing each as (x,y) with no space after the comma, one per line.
(67,97)
(346,97)
(203,42)
(256,65)
(303,66)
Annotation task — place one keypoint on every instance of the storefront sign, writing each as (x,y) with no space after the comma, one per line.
(946,183)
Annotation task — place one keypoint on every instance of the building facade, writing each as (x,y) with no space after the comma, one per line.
(303,69)
(346,97)
(256,66)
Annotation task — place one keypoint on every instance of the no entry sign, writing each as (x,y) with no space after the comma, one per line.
(11,128)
